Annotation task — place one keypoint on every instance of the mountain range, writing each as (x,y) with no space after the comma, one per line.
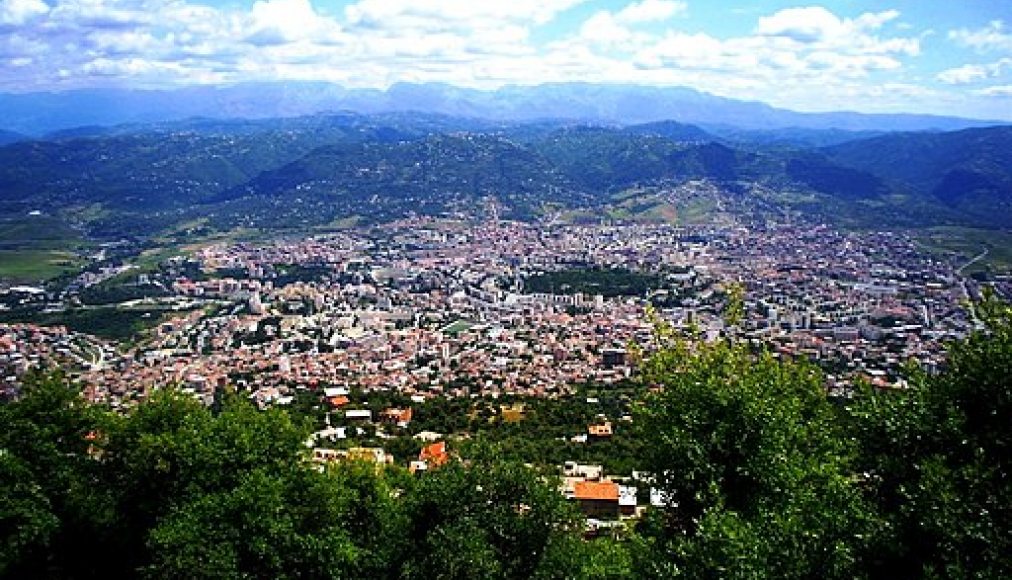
(38,114)
(290,172)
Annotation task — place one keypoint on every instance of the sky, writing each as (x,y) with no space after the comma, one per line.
(950,57)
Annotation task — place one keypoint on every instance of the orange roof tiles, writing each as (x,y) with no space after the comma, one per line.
(339,401)
(436,453)
(596,490)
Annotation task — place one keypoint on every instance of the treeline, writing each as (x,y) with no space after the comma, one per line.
(763,475)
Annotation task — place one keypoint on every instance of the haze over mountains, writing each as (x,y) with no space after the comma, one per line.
(40,113)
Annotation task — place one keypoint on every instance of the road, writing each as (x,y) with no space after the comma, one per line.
(974,259)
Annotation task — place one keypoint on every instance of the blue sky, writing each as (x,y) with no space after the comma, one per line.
(925,56)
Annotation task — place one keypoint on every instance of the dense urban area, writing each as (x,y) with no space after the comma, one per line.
(431,307)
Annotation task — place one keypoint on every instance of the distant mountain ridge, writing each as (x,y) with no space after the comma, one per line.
(41,113)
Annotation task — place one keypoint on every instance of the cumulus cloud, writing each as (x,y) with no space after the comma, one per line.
(991,38)
(18,12)
(617,30)
(275,22)
(795,45)
(815,24)
(650,11)
(383,12)
(969,73)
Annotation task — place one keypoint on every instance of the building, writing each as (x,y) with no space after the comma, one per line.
(399,417)
(597,499)
(613,357)
(434,455)
(358,415)
(601,430)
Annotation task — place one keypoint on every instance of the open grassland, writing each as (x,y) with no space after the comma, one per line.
(34,266)
(37,248)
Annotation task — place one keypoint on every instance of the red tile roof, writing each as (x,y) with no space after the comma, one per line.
(596,490)
(435,453)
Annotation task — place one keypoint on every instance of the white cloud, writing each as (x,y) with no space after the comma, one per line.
(796,45)
(650,11)
(806,58)
(995,91)
(616,30)
(817,24)
(991,38)
(378,13)
(809,24)
(969,73)
(275,22)
(18,12)
(604,29)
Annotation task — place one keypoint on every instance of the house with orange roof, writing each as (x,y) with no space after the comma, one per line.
(597,499)
(338,401)
(434,455)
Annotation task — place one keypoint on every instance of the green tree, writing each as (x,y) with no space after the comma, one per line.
(53,513)
(491,519)
(937,459)
(734,308)
(754,465)
(265,527)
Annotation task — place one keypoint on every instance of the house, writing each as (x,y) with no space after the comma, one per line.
(399,417)
(434,455)
(660,498)
(331,392)
(600,430)
(613,357)
(322,455)
(374,455)
(338,401)
(329,433)
(627,500)
(428,436)
(512,413)
(358,415)
(597,499)
(574,469)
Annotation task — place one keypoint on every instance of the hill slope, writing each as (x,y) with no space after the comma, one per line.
(969,171)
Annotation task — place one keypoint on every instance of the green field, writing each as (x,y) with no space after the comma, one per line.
(969,242)
(34,249)
(35,265)
(457,327)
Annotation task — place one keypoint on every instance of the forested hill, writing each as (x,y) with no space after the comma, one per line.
(759,473)
(309,171)
(968,170)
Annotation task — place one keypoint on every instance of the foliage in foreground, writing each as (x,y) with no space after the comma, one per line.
(764,477)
